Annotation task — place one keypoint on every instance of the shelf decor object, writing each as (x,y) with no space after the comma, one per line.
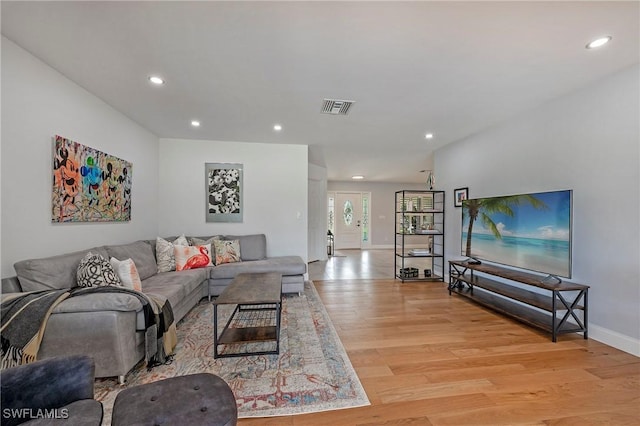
(223,189)
(431,180)
(419,235)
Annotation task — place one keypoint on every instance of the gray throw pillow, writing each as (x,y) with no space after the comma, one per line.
(195,241)
(94,271)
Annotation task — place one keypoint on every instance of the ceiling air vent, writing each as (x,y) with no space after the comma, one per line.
(336,107)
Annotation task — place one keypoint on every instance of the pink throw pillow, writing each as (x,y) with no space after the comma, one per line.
(192,257)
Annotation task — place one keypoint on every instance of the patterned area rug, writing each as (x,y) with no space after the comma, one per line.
(311,374)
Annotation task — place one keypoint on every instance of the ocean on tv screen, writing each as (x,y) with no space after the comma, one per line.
(548,256)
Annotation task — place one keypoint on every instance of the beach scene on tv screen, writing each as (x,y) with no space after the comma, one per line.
(530,231)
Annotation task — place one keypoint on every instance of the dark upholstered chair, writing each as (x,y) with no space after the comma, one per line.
(195,399)
(52,391)
(59,391)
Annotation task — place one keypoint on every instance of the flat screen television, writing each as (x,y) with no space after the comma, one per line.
(528,231)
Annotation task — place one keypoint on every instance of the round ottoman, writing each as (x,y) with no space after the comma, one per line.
(195,399)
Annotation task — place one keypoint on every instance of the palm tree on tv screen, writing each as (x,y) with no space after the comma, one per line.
(484,207)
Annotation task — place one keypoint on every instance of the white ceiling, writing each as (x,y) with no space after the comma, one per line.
(450,68)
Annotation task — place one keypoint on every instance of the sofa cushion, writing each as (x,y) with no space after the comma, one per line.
(141,254)
(286,265)
(252,247)
(122,302)
(95,270)
(175,286)
(293,284)
(53,272)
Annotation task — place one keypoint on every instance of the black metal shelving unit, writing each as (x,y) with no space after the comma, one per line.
(419,235)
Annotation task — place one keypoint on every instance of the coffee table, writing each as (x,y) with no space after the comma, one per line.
(256,317)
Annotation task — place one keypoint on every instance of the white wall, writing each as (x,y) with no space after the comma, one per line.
(37,104)
(587,141)
(275,191)
(317,213)
(382,206)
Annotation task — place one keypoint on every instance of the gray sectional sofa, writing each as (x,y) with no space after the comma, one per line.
(110,327)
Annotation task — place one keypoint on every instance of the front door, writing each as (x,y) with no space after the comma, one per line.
(348,217)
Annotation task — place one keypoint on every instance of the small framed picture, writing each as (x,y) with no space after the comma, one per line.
(459,195)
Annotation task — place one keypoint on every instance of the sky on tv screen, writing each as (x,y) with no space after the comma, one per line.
(533,237)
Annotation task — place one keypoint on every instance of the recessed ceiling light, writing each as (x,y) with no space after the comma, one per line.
(357,177)
(599,42)
(156,80)
(429,136)
(277,127)
(195,123)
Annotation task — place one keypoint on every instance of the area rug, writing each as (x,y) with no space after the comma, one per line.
(311,374)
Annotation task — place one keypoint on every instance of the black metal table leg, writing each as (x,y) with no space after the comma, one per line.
(215,331)
(586,314)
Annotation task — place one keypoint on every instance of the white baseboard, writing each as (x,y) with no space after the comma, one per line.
(615,339)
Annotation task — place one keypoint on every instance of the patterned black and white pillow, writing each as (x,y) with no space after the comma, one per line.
(94,270)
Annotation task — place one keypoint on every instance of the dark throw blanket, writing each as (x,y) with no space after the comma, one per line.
(24,317)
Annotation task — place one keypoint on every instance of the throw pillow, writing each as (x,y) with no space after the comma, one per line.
(195,241)
(227,251)
(94,270)
(164,253)
(192,257)
(127,272)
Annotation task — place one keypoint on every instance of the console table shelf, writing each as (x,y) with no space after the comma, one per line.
(549,312)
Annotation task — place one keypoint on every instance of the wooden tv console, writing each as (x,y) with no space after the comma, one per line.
(549,310)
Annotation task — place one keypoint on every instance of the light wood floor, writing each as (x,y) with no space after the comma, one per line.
(427,358)
(354,264)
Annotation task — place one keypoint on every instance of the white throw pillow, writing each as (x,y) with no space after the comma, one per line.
(227,251)
(127,272)
(164,253)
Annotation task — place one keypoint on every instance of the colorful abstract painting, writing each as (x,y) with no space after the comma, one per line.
(224,192)
(89,185)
